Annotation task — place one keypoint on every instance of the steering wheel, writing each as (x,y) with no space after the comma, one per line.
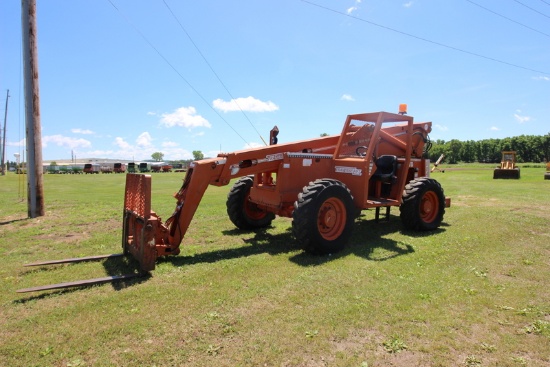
(358,150)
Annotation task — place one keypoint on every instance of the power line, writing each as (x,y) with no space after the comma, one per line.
(212,69)
(423,39)
(511,20)
(535,10)
(174,68)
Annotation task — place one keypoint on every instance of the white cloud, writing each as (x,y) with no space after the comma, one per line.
(144,140)
(409,4)
(494,128)
(119,142)
(347,97)
(441,127)
(142,149)
(20,143)
(151,113)
(521,119)
(169,144)
(177,153)
(250,104)
(352,9)
(65,141)
(543,78)
(98,154)
(184,117)
(82,131)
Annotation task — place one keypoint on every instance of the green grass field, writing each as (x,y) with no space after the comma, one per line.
(473,293)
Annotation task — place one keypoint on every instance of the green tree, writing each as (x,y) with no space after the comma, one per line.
(546,147)
(197,154)
(453,152)
(438,148)
(467,152)
(529,148)
(157,156)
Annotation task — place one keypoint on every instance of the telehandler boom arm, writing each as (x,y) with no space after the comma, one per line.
(144,234)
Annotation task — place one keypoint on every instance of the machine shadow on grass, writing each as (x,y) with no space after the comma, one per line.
(13,221)
(263,242)
(367,236)
(121,266)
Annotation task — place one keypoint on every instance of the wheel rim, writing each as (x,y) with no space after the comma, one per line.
(429,207)
(331,220)
(252,211)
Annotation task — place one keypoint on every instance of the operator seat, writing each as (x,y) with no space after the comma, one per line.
(386,167)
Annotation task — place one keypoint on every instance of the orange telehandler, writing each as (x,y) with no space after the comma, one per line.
(322,184)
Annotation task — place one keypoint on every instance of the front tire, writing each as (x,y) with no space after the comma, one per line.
(241,211)
(423,204)
(323,216)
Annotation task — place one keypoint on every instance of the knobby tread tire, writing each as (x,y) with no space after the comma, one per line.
(411,206)
(306,213)
(236,201)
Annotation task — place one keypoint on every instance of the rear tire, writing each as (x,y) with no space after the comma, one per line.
(241,211)
(323,216)
(423,204)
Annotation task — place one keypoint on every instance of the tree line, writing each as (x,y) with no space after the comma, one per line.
(528,148)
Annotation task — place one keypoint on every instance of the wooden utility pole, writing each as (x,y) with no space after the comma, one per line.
(3,152)
(35,189)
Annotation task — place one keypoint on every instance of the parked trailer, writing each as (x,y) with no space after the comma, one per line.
(91,168)
(63,169)
(106,168)
(161,168)
(144,167)
(119,168)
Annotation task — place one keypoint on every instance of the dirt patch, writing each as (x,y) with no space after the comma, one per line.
(371,346)
(64,238)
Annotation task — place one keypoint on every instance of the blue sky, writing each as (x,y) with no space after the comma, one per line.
(125,78)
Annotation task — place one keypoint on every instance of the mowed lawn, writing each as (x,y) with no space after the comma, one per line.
(473,293)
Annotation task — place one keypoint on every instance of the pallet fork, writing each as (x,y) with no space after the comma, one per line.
(137,238)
